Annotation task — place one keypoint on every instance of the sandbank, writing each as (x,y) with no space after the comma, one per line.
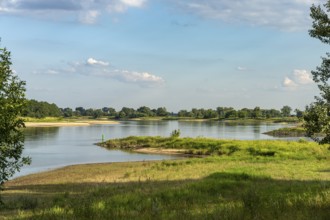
(150,150)
(67,124)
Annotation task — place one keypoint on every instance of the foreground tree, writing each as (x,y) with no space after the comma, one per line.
(317,114)
(12,102)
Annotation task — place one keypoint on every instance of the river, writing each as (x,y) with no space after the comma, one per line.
(55,147)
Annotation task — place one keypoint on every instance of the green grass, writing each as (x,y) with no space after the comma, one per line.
(273,149)
(46,119)
(245,181)
(288,132)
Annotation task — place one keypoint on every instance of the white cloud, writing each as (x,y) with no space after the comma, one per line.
(140,77)
(297,79)
(52,72)
(288,83)
(92,61)
(122,5)
(133,3)
(280,14)
(89,17)
(97,68)
(309,2)
(241,68)
(302,77)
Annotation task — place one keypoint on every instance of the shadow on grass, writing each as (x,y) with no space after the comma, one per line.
(217,196)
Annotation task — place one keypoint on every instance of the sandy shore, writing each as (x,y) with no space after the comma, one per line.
(174,152)
(67,124)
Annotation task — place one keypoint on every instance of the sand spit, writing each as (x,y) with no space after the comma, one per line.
(67,124)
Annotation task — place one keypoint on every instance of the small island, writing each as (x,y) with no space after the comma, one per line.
(288,132)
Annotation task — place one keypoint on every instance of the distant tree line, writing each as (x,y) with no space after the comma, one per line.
(244,113)
(39,109)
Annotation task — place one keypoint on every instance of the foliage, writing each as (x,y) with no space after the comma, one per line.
(317,115)
(12,103)
(175,133)
(37,109)
(286,111)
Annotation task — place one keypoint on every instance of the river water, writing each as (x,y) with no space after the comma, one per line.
(55,147)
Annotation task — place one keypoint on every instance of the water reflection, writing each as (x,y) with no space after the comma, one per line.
(39,132)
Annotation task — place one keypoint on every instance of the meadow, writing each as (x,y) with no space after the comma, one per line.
(231,180)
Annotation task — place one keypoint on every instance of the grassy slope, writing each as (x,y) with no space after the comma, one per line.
(241,183)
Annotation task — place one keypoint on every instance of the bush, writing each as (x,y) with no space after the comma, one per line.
(175,133)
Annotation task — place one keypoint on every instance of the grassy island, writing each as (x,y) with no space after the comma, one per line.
(233,180)
(288,132)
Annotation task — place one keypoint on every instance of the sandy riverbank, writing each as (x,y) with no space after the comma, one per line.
(67,124)
(150,150)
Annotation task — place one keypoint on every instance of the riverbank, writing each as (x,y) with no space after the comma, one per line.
(68,123)
(244,181)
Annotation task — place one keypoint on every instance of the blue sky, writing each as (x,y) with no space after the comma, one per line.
(174,53)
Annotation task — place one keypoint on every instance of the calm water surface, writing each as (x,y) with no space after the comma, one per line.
(51,148)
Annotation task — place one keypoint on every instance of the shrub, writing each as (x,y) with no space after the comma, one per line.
(175,133)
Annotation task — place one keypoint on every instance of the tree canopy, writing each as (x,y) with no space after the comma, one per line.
(317,114)
(12,103)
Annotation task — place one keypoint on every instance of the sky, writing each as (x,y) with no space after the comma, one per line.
(178,54)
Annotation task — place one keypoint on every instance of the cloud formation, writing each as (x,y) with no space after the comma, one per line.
(92,61)
(97,68)
(143,77)
(289,15)
(289,83)
(297,79)
(85,11)
(281,14)
(241,68)
(302,77)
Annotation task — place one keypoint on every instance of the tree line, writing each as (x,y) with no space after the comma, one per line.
(40,109)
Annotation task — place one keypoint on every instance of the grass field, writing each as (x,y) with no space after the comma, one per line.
(237,180)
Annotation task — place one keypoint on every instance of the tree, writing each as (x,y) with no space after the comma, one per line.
(41,109)
(299,113)
(80,111)
(12,103)
(145,111)
(67,112)
(256,113)
(286,111)
(161,111)
(231,114)
(97,113)
(112,112)
(242,113)
(317,114)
